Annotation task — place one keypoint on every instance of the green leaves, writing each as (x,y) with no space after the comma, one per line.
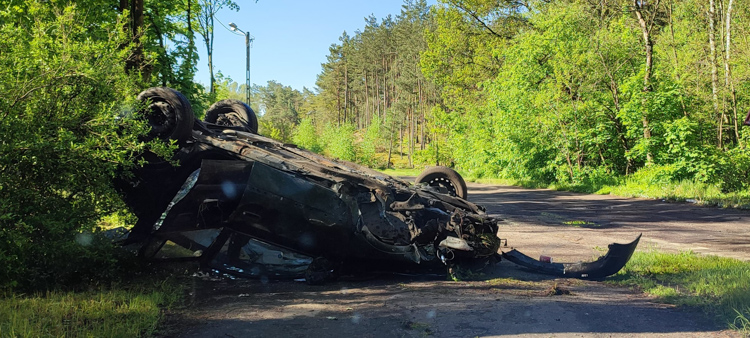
(64,136)
(306,137)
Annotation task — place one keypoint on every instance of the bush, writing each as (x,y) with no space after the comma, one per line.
(371,142)
(339,142)
(62,93)
(305,136)
(734,174)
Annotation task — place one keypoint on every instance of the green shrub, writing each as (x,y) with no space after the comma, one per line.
(64,98)
(371,142)
(339,142)
(305,136)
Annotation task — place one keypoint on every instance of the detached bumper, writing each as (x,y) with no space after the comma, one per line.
(607,265)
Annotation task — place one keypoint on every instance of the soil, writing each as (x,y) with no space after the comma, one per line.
(506,300)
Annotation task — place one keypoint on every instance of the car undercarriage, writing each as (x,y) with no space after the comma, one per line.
(247,205)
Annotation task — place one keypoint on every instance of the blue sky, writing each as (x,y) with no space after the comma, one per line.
(291,37)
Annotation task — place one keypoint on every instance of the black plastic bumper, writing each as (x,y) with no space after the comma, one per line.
(607,265)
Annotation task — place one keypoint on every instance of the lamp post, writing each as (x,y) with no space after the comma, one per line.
(248,41)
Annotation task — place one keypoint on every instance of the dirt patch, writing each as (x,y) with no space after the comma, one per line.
(506,300)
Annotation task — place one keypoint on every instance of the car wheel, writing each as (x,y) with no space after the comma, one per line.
(444,178)
(232,113)
(168,113)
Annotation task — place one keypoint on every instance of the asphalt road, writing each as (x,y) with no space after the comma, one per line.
(508,301)
(570,225)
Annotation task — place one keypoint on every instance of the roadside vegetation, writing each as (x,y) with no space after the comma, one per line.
(132,310)
(720,286)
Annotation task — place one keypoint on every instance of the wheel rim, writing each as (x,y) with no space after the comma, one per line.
(442,182)
(230,119)
(161,119)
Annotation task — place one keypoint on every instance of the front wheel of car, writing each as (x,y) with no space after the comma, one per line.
(234,113)
(445,180)
(168,113)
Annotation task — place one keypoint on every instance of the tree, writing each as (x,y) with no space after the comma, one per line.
(646,12)
(169,35)
(205,18)
(63,102)
(279,109)
(136,61)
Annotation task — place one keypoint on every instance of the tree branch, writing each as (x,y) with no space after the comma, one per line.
(460,6)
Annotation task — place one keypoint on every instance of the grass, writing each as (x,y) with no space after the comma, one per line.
(580,224)
(720,286)
(118,312)
(398,172)
(686,190)
(741,323)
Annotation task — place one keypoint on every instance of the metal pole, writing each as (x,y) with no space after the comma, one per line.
(247,75)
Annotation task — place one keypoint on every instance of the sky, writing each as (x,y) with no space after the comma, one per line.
(291,38)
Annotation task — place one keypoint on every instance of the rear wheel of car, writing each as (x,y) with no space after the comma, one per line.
(232,113)
(444,179)
(168,113)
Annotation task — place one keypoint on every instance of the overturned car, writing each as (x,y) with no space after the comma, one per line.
(248,205)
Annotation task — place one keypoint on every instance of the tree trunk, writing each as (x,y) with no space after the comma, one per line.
(368,114)
(729,82)
(210,50)
(390,143)
(437,150)
(385,86)
(677,74)
(421,114)
(714,72)
(649,47)
(135,61)
(376,101)
(338,105)
(346,90)
(190,35)
(401,138)
(410,145)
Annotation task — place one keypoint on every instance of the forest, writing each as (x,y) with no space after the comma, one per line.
(552,91)
(567,92)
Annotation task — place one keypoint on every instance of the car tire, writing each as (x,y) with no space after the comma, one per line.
(444,177)
(168,113)
(232,113)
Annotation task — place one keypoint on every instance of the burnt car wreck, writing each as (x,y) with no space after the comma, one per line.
(247,205)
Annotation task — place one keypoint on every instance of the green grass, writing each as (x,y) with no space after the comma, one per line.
(578,223)
(741,323)
(119,312)
(720,286)
(402,172)
(700,193)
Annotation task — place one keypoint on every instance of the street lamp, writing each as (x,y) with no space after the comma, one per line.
(248,41)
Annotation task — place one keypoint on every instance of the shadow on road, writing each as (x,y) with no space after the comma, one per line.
(511,302)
